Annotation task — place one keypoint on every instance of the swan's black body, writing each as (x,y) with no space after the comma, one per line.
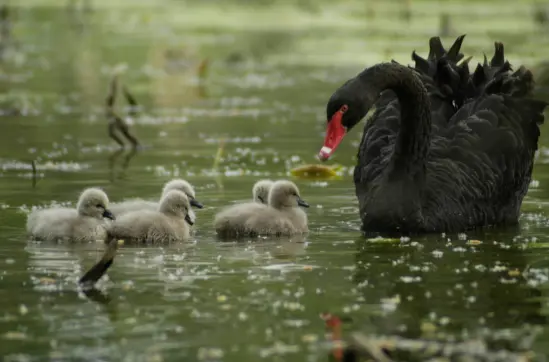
(445,150)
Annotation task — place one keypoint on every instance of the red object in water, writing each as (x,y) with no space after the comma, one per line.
(334,324)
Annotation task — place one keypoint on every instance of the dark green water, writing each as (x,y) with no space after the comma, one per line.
(271,72)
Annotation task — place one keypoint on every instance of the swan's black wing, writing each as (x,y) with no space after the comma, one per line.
(480,166)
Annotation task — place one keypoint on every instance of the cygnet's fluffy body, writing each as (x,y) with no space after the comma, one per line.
(282,216)
(232,220)
(131,205)
(170,223)
(260,191)
(84,224)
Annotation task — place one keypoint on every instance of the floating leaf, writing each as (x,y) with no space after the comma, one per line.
(315,171)
(514,273)
(428,327)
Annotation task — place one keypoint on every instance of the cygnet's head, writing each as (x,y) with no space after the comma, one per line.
(176,203)
(285,194)
(185,187)
(261,190)
(93,202)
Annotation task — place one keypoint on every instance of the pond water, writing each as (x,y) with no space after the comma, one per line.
(271,68)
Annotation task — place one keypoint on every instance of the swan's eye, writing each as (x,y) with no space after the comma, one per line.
(99,206)
(344,108)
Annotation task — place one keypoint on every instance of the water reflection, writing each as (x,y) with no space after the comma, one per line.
(451,285)
(125,162)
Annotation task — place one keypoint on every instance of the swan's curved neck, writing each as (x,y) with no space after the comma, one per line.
(412,143)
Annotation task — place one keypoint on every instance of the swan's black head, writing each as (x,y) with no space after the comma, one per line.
(346,107)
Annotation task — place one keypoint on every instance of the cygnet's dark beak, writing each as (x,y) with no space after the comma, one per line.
(196,204)
(261,199)
(108,214)
(188,220)
(302,203)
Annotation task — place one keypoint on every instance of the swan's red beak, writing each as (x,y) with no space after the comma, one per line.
(334,134)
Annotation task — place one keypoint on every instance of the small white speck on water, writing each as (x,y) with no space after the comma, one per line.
(437,253)
(23,309)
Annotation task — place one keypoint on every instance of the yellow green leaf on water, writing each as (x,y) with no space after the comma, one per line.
(315,171)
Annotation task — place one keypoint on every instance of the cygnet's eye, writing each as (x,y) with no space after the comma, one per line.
(99,206)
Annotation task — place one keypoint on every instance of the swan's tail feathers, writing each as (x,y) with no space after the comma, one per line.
(465,62)
(453,79)
(499,58)
(518,84)
(422,64)
(445,72)
(446,77)
(437,52)
(454,54)
(496,77)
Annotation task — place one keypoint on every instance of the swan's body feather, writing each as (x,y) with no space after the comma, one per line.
(469,166)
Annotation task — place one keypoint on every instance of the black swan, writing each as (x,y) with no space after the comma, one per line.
(445,150)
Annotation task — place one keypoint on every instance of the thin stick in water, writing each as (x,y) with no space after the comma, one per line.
(34,172)
(218,154)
